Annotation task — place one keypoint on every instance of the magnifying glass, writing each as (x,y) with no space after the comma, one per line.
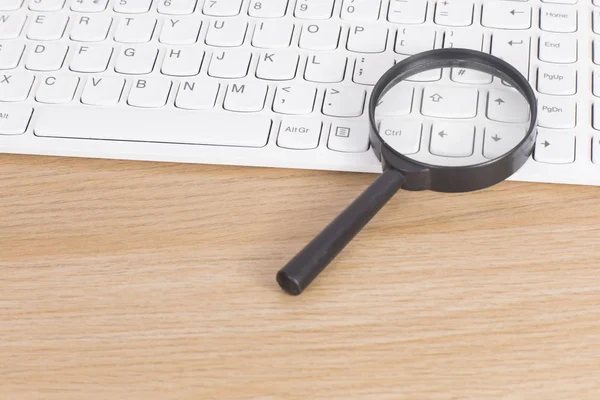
(446,120)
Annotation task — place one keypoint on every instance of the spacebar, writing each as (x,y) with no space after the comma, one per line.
(164,126)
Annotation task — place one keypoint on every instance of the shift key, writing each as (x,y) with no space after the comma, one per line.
(14,119)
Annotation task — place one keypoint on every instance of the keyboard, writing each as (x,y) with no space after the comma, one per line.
(278,83)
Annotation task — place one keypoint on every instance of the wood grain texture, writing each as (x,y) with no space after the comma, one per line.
(133,280)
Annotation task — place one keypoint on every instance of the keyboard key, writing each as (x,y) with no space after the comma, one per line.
(397,101)
(10,54)
(197,94)
(467,40)
(245,97)
(512,47)
(11,26)
(136,29)
(182,61)
(132,6)
(368,69)
(407,12)
(555,147)
(102,91)
(415,39)
(367,39)
(267,9)
(349,136)
(49,26)
(10,5)
(92,28)
(314,9)
(57,89)
(325,68)
(93,58)
(596,149)
(230,64)
(558,18)
(345,101)
(450,102)
(136,60)
(14,119)
(46,5)
(454,13)
(300,134)
(226,33)
(506,15)
(15,86)
(145,125)
(46,57)
(507,106)
(149,92)
(176,7)
(558,49)
(180,31)
(278,66)
(320,36)
(404,136)
(557,80)
(222,8)
(556,112)
(88,6)
(499,140)
(276,34)
(360,10)
(452,139)
(295,99)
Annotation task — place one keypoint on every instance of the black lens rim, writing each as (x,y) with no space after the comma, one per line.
(422,176)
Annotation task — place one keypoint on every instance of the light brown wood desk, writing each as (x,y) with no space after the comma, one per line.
(133,280)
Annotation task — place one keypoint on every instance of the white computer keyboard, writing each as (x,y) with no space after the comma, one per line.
(273,82)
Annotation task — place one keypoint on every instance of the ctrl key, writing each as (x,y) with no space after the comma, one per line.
(14,119)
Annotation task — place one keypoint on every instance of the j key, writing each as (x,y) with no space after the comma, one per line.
(267,9)
(102,91)
(245,97)
(506,15)
(15,86)
(298,133)
(46,5)
(500,139)
(415,39)
(367,39)
(180,31)
(183,61)
(344,102)
(452,139)
(91,28)
(325,68)
(226,33)
(559,49)
(404,136)
(407,11)
(46,57)
(397,101)
(557,80)
(49,26)
(555,147)
(149,93)
(278,66)
(294,99)
(368,69)
(88,6)
(197,94)
(450,102)
(180,7)
(135,29)
(349,136)
(57,89)
(556,112)
(558,18)
(11,25)
(92,58)
(320,36)
(361,10)
(132,6)
(454,13)
(14,119)
(222,8)
(314,9)
(136,60)
(10,55)
(512,47)
(507,106)
(230,64)
(276,34)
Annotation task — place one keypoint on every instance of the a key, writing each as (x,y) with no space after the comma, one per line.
(57,89)
(46,57)
(135,29)
(507,106)
(299,134)
(179,31)
(349,136)
(452,139)
(361,10)
(146,125)
(89,6)
(450,102)
(294,99)
(407,11)
(197,94)
(554,147)
(91,28)
(512,47)
(415,39)
(230,64)
(466,39)
(11,25)
(222,8)
(10,5)
(557,80)
(267,9)
(367,39)
(102,91)
(176,7)
(136,60)
(149,93)
(345,101)
(369,69)
(277,66)
(314,9)
(49,26)
(403,136)
(397,101)
(325,68)
(506,15)
(245,97)
(558,18)
(15,86)
(500,139)
(556,112)
(132,6)
(10,54)
(46,5)
(226,33)
(91,59)
(320,36)
(14,119)
(454,13)
(183,61)
(558,49)
(276,34)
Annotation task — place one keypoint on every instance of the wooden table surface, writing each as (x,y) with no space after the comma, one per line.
(137,280)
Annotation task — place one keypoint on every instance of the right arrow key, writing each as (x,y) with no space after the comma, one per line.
(554,147)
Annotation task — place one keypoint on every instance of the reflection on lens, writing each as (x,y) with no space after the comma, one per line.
(463,117)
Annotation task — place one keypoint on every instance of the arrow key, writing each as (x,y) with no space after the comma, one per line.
(507,106)
(451,139)
(501,139)
(555,147)
(506,15)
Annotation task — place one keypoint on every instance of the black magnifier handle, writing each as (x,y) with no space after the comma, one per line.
(312,259)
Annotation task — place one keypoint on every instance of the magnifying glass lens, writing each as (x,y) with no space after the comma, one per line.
(452,117)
